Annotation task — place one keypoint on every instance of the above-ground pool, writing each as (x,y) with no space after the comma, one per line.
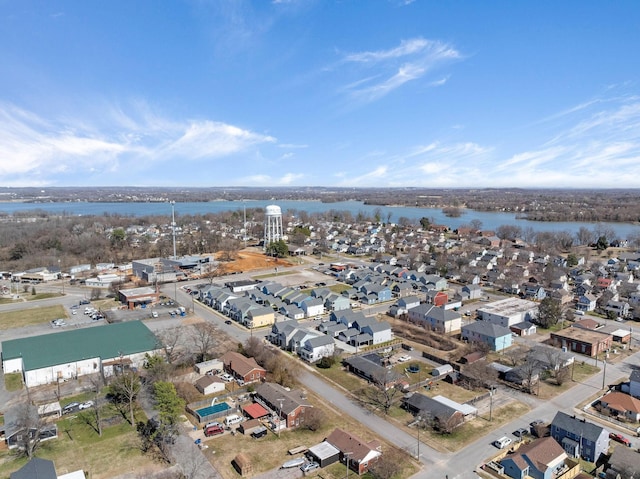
(211,412)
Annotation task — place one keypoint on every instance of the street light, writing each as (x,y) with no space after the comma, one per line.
(346,462)
(173,226)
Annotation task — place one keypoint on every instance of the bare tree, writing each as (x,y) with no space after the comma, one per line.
(169,340)
(382,393)
(192,462)
(314,418)
(204,337)
(388,465)
(124,389)
(29,422)
(479,374)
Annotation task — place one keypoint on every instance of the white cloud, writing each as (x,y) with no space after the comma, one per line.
(410,61)
(37,148)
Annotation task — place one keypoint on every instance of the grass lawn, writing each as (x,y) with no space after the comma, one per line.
(340,376)
(29,317)
(78,446)
(13,381)
(33,297)
(272,275)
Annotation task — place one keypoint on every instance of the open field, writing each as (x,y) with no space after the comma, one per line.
(31,316)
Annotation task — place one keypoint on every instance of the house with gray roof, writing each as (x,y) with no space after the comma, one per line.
(497,337)
(438,319)
(314,349)
(441,414)
(579,438)
(372,372)
(380,332)
(336,302)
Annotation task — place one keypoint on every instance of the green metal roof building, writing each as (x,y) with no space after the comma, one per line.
(69,354)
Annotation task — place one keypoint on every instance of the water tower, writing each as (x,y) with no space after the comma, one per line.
(272,225)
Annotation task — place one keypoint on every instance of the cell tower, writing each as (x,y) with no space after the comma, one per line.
(272,225)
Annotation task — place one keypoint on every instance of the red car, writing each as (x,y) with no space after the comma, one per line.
(620,438)
(213,431)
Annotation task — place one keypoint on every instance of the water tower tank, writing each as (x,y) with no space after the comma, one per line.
(272,225)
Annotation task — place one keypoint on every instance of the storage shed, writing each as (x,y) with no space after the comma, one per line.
(242,464)
(324,454)
(442,370)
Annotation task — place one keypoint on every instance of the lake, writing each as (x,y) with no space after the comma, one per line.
(490,220)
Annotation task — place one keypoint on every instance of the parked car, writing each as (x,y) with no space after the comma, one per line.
(619,438)
(297,462)
(404,358)
(226,377)
(85,405)
(502,442)
(213,431)
(521,432)
(72,406)
(309,466)
(240,382)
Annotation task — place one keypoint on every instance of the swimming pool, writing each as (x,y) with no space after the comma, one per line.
(211,412)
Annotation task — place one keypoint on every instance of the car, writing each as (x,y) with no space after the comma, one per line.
(154,314)
(85,405)
(404,358)
(74,312)
(56,323)
(226,377)
(212,424)
(213,431)
(309,466)
(502,442)
(619,438)
(84,301)
(73,306)
(298,461)
(536,422)
(72,406)
(240,382)
(521,432)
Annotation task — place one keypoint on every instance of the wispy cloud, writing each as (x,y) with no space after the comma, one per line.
(33,148)
(394,67)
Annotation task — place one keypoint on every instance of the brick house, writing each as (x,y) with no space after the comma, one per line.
(244,368)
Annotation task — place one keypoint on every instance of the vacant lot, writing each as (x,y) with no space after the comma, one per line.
(31,316)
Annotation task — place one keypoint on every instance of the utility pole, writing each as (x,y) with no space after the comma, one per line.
(173,226)
(280,400)
(604,373)
(346,461)
(491,403)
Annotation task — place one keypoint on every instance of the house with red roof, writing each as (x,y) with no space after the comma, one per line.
(621,405)
(242,367)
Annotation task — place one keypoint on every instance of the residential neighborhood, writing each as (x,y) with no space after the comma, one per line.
(455,334)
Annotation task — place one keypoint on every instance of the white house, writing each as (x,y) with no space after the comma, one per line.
(508,312)
(313,307)
(314,349)
(210,385)
(379,331)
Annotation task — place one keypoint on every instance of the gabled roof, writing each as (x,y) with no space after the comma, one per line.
(542,453)
(434,408)
(487,329)
(36,468)
(579,427)
(348,443)
(622,402)
(291,400)
(105,342)
(240,364)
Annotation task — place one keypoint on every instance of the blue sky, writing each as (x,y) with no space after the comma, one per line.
(364,93)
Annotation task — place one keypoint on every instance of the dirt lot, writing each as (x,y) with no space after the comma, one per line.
(249,259)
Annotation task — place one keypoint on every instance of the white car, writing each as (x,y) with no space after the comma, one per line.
(404,359)
(501,443)
(226,377)
(85,405)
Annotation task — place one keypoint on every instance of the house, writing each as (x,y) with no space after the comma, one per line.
(355,453)
(437,298)
(471,291)
(22,423)
(214,365)
(373,372)
(324,454)
(621,405)
(73,353)
(438,319)
(380,332)
(36,468)
(316,348)
(524,328)
(510,311)
(579,438)
(336,302)
(242,367)
(289,405)
(534,292)
(619,308)
(634,383)
(444,417)
(623,463)
(210,385)
(406,303)
(497,337)
(586,302)
(313,307)
(259,317)
(583,341)
(543,458)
